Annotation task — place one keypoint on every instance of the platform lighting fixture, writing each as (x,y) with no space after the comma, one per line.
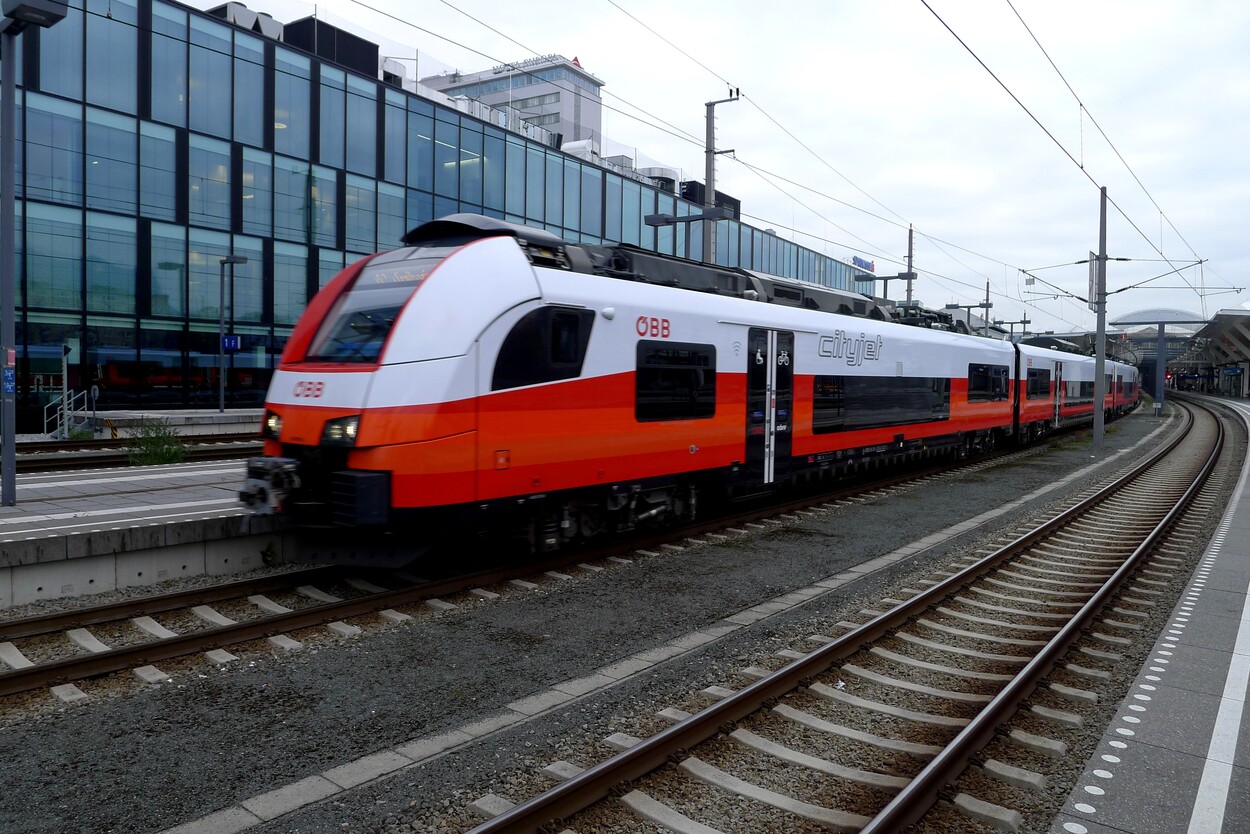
(716,213)
(18,14)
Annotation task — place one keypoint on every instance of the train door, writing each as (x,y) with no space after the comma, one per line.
(770,404)
(1059,392)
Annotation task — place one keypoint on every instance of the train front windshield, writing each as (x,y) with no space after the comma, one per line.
(357,326)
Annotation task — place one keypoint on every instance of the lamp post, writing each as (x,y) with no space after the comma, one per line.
(984,305)
(17,15)
(717,213)
(1012,324)
(221,326)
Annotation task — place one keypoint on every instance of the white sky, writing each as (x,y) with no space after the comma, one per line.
(894,122)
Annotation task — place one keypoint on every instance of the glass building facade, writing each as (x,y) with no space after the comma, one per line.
(154,140)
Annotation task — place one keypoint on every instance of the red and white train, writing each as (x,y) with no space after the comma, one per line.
(492,376)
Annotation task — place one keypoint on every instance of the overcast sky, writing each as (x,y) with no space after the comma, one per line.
(858,119)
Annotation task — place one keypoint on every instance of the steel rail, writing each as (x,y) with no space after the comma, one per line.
(125,657)
(914,800)
(156,604)
(593,784)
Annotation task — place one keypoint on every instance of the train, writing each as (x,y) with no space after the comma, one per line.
(492,377)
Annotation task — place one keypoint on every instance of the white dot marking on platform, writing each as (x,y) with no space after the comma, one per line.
(1076,827)
(1118,745)
(1085,808)
(1107,757)
(1095,790)
(1103,774)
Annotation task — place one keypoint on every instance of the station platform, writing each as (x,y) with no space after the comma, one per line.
(1176,758)
(96,530)
(103,424)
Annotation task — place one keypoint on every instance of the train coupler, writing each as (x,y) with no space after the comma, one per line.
(268,483)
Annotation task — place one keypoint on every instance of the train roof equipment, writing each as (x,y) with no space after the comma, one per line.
(633,263)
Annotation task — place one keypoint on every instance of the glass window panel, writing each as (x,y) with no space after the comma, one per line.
(111,263)
(555,190)
(45,337)
(54,149)
(209,98)
(157,158)
(420,208)
(249,90)
(291,187)
(204,253)
(112,54)
(53,257)
(534,179)
(257,189)
(612,208)
(361,232)
(391,224)
(329,264)
(470,165)
(61,54)
(572,191)
(514,176)
(492,173)
(446,177)
(246,294)
(362,126)
(592,202)
(325,201)
(169,64)
(420,152)
(333,115)
(208,164)
(161,360)
(290,282)
(111,161)
(169,270)
(292,91)
(444,206)
(631,213)
(110,359)
(395,140)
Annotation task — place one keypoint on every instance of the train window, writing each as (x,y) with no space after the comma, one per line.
(357,326)
(546,345)
(1087,392)
(987,383)
(847,403)
(828,404)
(675,381)
(1038,385)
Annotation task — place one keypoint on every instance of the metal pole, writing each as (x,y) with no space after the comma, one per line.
(8,278)
(910,250)
(221,340)
(709,179)
(1100,337)
(1161,364)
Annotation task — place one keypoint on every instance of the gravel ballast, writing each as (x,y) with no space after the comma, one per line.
(140,758)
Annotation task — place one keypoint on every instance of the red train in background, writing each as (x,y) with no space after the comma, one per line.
(489,376)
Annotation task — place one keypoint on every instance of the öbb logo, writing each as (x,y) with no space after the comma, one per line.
(653,327)
(309,389)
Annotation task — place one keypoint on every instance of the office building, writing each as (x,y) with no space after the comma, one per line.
(155,140)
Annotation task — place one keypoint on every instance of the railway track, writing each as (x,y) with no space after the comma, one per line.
(88,642)
(868,731)
(60,455)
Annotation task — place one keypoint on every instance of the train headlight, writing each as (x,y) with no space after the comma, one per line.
(341,432)
(271,428)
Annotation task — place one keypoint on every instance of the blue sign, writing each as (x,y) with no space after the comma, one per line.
(10,381)
(230,342)
(868,266)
